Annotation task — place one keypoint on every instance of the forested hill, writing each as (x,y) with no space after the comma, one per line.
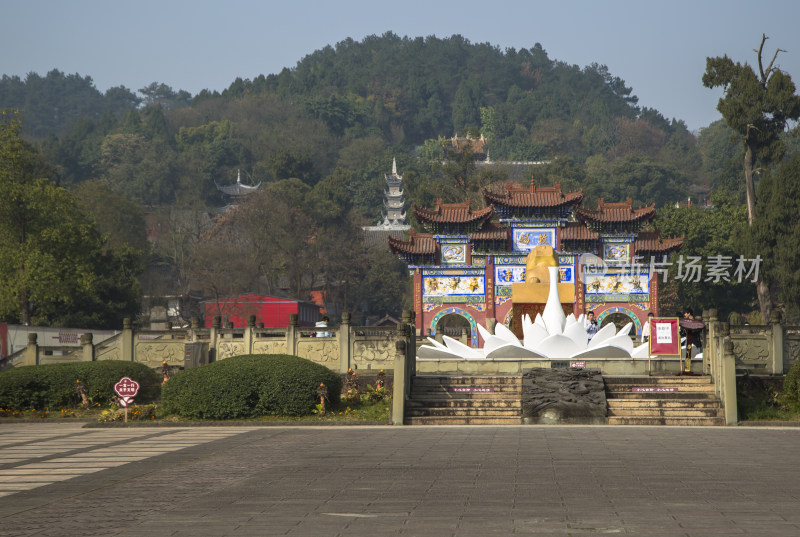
(348,104)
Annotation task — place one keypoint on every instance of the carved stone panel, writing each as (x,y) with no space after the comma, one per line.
(374,351)
(269,347)
(791,351)
(320,351)
(751,351)
(228,349)
(152,353)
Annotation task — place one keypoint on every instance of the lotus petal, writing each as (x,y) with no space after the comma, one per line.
(577,333)
(437,344)
(603,351)
(623,342)
(539,321)
(642,351)
(462,350)
(558,346)
(534,336)
(426,351)
(503,332)
(553,314)
(625,330)
(607,332)
(570,321)
(513,351)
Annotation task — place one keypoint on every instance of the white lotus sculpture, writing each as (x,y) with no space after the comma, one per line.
(552,335)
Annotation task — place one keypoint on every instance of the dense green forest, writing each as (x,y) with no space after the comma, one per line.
(320,137)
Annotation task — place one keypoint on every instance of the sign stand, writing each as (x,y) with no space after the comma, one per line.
(665,339)
(127,389)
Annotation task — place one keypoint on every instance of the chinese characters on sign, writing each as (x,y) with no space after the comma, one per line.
(691,269)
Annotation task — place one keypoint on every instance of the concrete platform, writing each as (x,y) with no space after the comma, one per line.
(379,481)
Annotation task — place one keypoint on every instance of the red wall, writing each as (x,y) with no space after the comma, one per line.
(272,311)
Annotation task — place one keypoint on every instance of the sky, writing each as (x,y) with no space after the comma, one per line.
(658,48)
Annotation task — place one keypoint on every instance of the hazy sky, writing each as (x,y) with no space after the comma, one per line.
(658,48)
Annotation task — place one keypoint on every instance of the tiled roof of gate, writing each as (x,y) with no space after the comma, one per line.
(453,213)
(417,243)
(617,212)
(577,231)
(514,195)
(652,241)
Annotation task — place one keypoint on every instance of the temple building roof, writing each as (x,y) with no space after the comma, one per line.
(617,212)
(238,189)
(452,213)
(577,231)
(417,243)
(652,241)
(513,195)
(491,231)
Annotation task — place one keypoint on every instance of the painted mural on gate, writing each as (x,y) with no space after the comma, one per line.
(627,287)
(467,283)
(526,239)
(454,253)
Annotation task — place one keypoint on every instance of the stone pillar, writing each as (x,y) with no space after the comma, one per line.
(711,348)
(127,340)
(463,337)
(32,350)
(401,388)
(213,337)
(88,347)
(194,329)
(248,334)
(345,337)
(490,324)
(777,343)
(729,384)
(291,335)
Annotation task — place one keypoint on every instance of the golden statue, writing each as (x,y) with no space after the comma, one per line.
(537,279)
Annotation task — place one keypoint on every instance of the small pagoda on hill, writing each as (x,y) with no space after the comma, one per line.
(394,223)
(468,258)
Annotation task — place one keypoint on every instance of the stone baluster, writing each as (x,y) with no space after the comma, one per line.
(345,338)
(777,343)
(88,347)
(32,350)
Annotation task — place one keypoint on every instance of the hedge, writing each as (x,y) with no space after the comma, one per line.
(249,386)
(52,386)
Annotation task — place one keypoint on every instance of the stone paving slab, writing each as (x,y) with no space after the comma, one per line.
(415,481)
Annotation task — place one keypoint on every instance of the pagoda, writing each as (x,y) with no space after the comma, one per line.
(238,190)
(393,222)
(469,258)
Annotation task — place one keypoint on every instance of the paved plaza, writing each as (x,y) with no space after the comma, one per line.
(64,480)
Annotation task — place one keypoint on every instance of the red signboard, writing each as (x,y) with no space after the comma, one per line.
(126,388)
(664,337)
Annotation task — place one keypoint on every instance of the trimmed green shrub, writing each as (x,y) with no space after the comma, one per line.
(52,386)
(791,387)
(249,386)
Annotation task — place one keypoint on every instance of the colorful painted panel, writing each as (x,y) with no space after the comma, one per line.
(566,274)
(616,252)
(616,284)
(433,286)
(508,274)
(526,239)
(454,253)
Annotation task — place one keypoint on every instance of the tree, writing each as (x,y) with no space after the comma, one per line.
(53,262)
(758,106)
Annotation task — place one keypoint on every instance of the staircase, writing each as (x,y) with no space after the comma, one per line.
(465,400)
(684,400)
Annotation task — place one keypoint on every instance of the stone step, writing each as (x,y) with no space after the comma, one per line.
(430,380)
(446,394)
(627,396)
(619,420)
(663,403)
(463,420)
(665,412)
(661,388)
(658,381)
(465,412)
(464,403)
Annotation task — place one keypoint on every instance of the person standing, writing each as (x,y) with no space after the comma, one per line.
(322,324)
(590,324)
(646,329)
